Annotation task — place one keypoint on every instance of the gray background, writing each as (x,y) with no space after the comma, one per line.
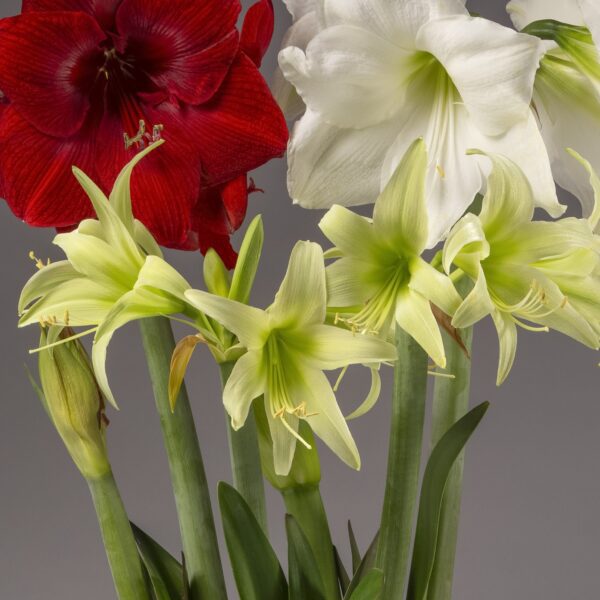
(530,525)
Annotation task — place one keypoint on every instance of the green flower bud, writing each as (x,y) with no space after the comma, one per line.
(73,401)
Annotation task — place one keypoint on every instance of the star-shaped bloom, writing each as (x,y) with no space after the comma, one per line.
(378,73)
(524,271)
(381,276)
(288,348)
(114,272)
(567,84)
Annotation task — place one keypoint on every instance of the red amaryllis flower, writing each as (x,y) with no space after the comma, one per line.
(87,82)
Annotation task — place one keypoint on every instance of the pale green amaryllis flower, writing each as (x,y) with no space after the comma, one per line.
(380,267)
(567,85)
(114,273)
(376,74)
(519,266)
(288,348)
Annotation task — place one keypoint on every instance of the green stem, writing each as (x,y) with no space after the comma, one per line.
(188,479)
(121,549)
(404,459)
(305,504)
(450,403)
(245,460)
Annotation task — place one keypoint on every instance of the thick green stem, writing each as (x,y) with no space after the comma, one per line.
(121,549)
(188,479)
(404,459)
(450,403)
(245,460)
(305,504)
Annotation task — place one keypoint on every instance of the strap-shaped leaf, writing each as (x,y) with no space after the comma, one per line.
(257,571)
(370,586)
(436,474)
(343,577)
(166,574)
(366,565)
(356,559)
(304,576)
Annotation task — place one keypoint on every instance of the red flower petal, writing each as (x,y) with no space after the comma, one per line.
(102,10)
(257,30)
(37,181)
(240,129)
(43,59)
(185,46)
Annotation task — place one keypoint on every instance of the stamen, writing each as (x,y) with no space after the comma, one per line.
(339,379)
(294,433)
(38,262)
(63,341)
(142,137)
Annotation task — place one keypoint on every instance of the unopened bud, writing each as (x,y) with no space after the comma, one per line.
(73,400)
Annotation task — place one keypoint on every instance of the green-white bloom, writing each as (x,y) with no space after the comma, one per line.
(114,273)
(381,273)
(288,348)
(543,273)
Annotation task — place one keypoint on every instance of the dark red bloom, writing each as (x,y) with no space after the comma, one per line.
(87,82)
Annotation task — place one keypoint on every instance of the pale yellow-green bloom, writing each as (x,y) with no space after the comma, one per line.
(114,273)
(380,274)
(288,348)
(524,272)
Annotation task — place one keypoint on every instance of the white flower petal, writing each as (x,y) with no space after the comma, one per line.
(246,383)
(350,76)
(301,8)
(523,12)
(328,165)
(475,306)
(507,340)
(351,282)
(302,296)
(591,16)
(433,285)
(284,442)
(45,280)
(397,20)
(492,67)
(328,422)
(352,234)
(467,240)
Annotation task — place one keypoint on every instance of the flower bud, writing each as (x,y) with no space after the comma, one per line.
(73,401)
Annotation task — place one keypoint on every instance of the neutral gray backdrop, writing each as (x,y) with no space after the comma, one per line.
(530,524)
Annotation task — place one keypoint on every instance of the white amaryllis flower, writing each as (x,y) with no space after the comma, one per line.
(567,85)
(379,73)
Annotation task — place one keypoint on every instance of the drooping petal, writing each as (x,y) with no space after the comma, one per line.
(594,218)
(492,67)
(183,45)
(433,285)
(326,347)
(45,61)
(507,340)
(240,128)
(591,16)
(400,212)
(246,383)
(523,12)
(257,30)
(159,275)
(328,165)
(414,315)
(352,234)
(298,35)
(302,296)
(75,302)
(102,10)
(475,306)
(45,280)
(466,241)
(393,20)
(284,443)
(327,422)
(249,324)
(350,76)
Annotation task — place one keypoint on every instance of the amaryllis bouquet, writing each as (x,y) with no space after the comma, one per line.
(128,125)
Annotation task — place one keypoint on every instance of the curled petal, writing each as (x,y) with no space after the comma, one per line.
(257,30)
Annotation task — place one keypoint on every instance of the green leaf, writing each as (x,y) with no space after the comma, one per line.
(356,559)
(438,468)
(247,262)
(166,575)
(257,571)
(343,578)
(304,577)
(366,565)
(216,275)
(370,586)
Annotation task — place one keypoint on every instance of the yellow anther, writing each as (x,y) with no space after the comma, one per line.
(440,171)
(38,262)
